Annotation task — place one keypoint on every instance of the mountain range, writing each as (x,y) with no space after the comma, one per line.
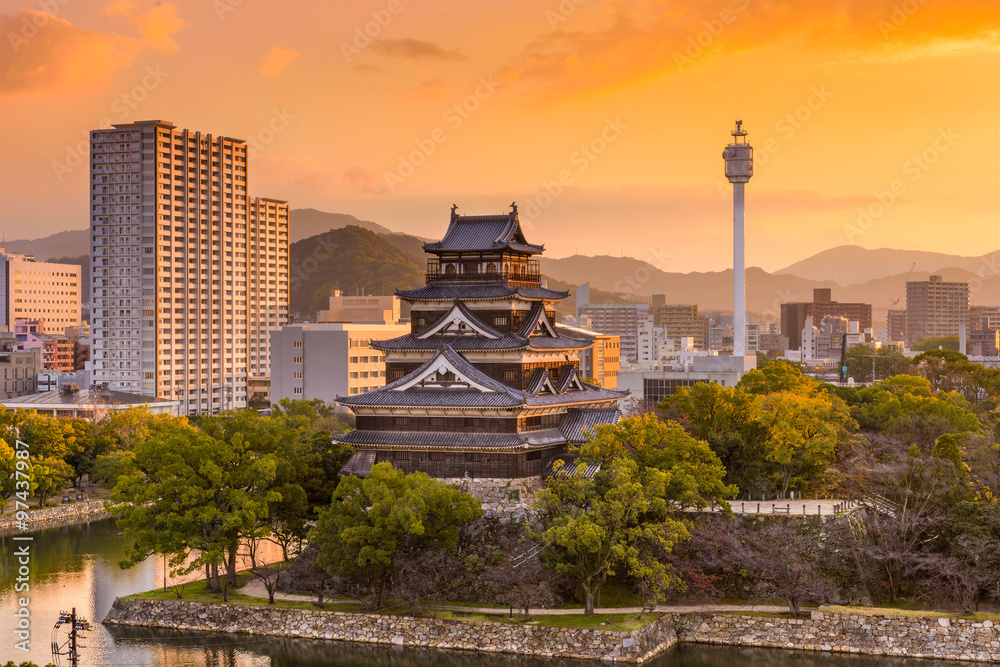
(337,250)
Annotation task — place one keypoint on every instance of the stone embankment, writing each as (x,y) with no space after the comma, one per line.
(904,636)
(484,636)
(942,638)
(92,510)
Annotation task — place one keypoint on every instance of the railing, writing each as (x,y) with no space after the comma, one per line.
(529,276)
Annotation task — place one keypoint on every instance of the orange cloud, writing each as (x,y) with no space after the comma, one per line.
(276,60)
(157,27)
(51,54)
(414,48)
(119,7)
(640,42)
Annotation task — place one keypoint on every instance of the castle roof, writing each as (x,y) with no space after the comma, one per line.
(473,233)
(461,329)
(448,380)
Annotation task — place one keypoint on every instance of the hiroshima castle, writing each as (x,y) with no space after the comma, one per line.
(486,386)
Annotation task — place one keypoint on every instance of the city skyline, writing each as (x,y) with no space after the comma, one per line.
(869,120)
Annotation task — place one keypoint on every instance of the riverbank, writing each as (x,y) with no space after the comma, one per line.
(868,634)
(50,517)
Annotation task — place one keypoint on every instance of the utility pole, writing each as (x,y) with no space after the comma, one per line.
(72,646)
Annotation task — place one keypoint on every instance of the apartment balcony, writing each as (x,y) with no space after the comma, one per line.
(520,275)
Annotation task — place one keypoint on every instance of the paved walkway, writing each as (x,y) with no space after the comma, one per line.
(256,589)
(807,507)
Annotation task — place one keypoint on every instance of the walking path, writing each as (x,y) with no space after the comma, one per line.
(804,507)
(256,589)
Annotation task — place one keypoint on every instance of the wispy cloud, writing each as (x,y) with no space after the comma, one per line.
(276,60)
(414,49)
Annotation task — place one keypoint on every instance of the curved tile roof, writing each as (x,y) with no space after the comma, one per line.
(484,232)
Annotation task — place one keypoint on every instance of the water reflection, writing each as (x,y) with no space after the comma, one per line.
(78,566)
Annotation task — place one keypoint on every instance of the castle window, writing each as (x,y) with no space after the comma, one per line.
(533,456)
(472,457)
(400,456)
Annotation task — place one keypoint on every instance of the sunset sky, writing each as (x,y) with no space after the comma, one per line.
(480,103)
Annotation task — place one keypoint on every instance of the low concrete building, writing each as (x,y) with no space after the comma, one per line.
(328,360)
(653,386)
(602,362)
(70,401)
(18,368)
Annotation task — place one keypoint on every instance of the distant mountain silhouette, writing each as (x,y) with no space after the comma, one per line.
(853,265)
(363,254)
(765,292)
(306,222)
(62,244)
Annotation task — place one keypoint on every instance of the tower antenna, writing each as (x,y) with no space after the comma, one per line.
(739,168)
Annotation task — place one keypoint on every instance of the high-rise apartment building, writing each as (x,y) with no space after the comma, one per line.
(188,271)
(935,308)
(680,320)
(31,290)
(793,315)
(617,319)
(896,325)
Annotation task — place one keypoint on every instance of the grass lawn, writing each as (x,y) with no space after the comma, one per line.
(891,611)
(616,622)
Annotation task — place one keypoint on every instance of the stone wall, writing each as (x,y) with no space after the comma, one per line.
(62,514)
(941,638)
(947,638)
(504,499)
(485,636)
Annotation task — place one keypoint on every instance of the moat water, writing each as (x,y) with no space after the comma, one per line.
(77,566)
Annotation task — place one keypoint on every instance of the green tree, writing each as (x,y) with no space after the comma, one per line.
(596,527)
(935,342)
(288,517)
(907,405)
(727,420)
(194,496)
(886,361)
(8,476)
(49,476)
(108,468)
(804,431)
(372,524)
(778,376)
(693,471)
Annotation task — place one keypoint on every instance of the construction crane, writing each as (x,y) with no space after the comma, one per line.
(893,302)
